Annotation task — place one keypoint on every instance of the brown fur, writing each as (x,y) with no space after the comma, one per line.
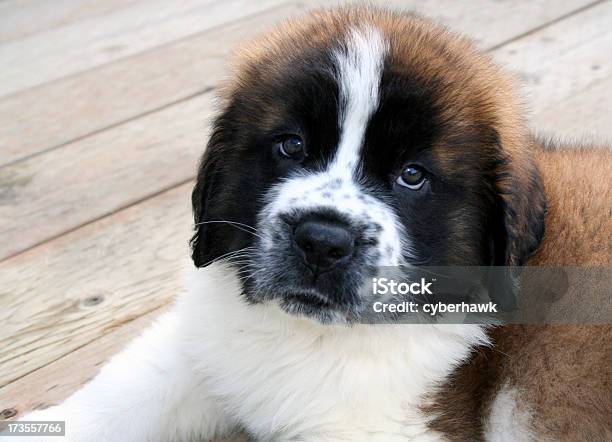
(475,90)
(579,221)
(563,371)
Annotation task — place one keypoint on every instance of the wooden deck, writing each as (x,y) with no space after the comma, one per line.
(103,112)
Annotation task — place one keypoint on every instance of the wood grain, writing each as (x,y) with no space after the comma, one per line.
(491,23)
(584,117)
(56,381)
(47,195)
(119,91)
(562,60)
(56,53)
(21,18)
(81,286)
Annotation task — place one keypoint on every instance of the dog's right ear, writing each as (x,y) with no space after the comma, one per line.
(208,183)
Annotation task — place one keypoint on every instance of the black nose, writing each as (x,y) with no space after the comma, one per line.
(323,243)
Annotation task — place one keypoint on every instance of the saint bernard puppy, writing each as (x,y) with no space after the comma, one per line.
(350,139)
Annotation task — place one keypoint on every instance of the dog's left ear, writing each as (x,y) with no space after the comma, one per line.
(522,206)
(517,228)
(208,184)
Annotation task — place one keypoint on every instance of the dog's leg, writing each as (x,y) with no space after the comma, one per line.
(145,393)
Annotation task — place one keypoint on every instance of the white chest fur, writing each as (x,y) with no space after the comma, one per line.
(283,377)
(215,363)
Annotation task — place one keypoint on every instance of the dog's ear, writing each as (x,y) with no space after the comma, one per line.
(517,227)
(208,183)
(522,211)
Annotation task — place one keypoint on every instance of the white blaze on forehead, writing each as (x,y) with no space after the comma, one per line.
(359,63)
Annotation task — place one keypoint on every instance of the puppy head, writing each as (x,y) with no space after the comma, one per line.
(358,138)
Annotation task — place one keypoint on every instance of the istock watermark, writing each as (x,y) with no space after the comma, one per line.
(383,286)
(488,295)
(434,309)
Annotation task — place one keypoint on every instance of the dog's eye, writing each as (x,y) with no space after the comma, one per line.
(412,177)
(291,146)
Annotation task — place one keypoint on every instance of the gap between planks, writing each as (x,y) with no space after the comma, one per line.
(59,52)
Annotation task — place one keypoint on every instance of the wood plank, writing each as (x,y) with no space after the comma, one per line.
(582,117)
(55,382)
(562,60)
(122,90)
(56,53)
(21,18)
(139,84)
(47,195)
(63,295)
(491,23)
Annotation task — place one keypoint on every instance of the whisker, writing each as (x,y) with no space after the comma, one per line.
(240,226)
(252,275)
(226,221)
(229,255)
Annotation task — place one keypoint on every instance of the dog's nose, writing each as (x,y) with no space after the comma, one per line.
(323,243)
